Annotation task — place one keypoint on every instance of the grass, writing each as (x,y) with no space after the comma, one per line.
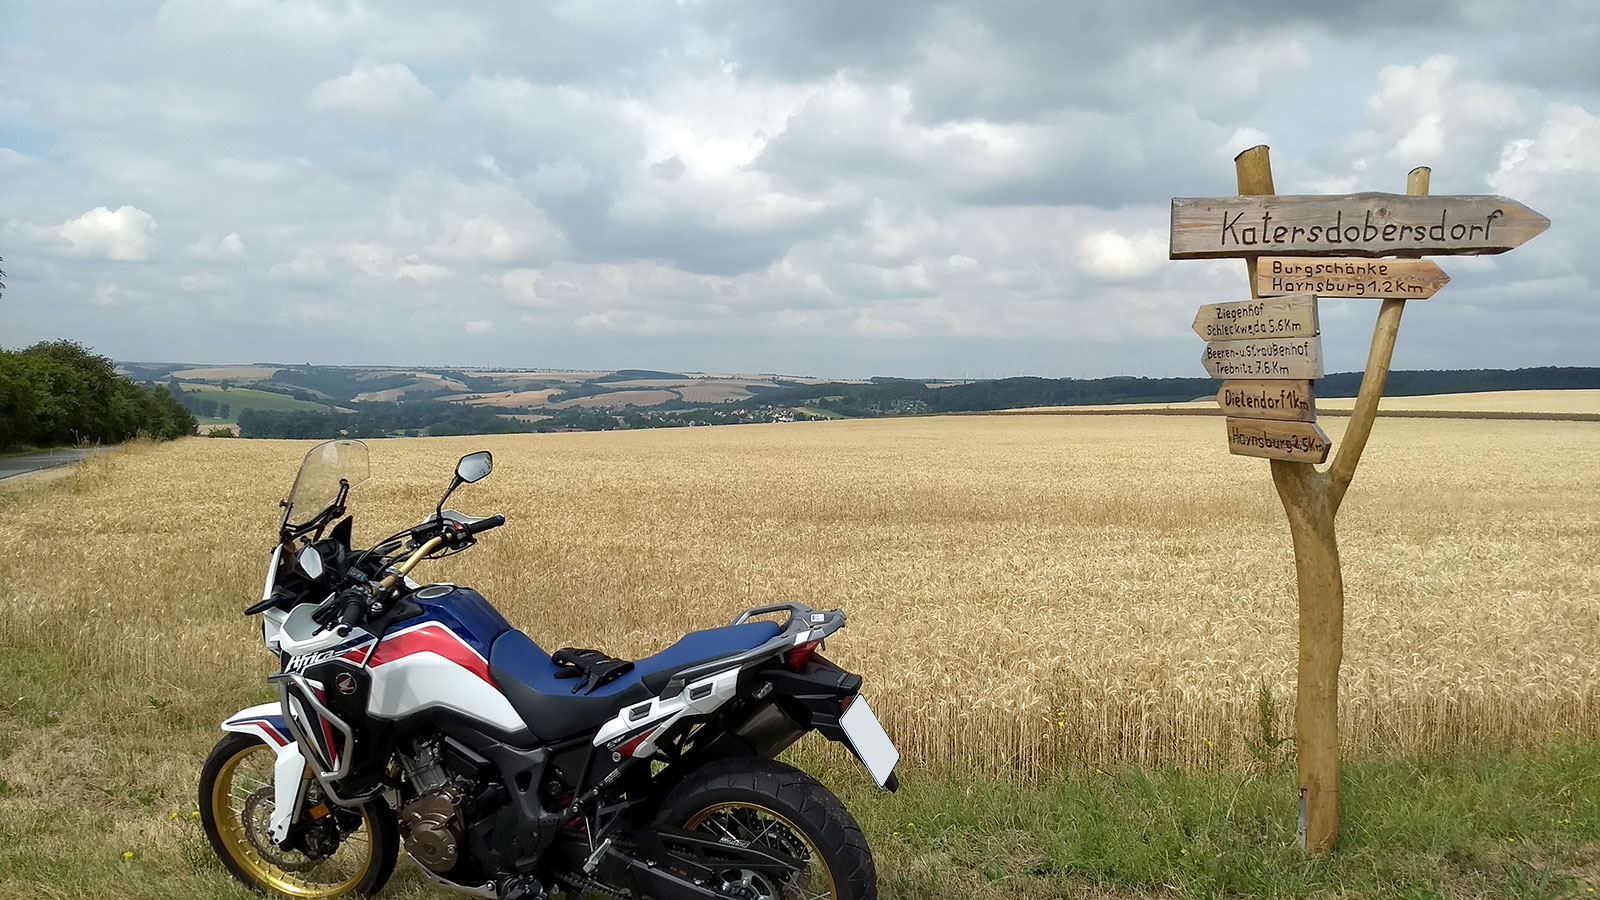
(1459,825)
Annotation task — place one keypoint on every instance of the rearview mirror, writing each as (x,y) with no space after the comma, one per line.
(474,466)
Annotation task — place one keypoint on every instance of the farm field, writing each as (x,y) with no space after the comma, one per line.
(240,399)
(1030,598)
(1024,593)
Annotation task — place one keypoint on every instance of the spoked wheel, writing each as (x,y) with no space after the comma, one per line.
(759,802)
(347,852)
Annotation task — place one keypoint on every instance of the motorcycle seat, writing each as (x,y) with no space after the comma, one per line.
(527,677)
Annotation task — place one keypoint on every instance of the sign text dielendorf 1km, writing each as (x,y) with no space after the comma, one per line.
(1290,400)
(1349,225)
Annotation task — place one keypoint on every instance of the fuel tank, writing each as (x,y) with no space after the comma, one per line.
(438,659)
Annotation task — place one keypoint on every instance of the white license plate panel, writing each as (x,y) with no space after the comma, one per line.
(869,740)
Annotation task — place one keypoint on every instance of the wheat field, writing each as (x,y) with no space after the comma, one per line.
(1025,593)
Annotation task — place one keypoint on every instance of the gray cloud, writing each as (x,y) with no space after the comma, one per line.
(888,188)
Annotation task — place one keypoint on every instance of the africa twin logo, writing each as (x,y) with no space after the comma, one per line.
(306,661)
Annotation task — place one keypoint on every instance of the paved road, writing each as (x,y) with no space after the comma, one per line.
(11,466)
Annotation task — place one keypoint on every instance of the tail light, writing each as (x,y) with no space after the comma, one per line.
(800,655)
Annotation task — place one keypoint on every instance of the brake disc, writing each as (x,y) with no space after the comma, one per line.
(257,815)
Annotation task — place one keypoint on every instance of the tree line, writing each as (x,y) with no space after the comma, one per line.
(901,396)
(397,418)
(59,392)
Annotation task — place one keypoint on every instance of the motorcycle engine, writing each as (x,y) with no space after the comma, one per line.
(433,828)
(433,825)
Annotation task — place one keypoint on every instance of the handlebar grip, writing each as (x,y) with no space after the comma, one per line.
(491,522)
(350,614)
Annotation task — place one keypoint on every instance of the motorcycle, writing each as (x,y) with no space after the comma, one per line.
(415,715)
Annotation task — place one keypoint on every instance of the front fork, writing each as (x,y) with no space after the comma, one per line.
(290,774)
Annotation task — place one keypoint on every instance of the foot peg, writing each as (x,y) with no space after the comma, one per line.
(520,887)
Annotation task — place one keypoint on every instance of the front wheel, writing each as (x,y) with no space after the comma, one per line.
(766,803)
(347,852)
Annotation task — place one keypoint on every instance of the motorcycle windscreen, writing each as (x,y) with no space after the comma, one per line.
(317,485)
(869,740)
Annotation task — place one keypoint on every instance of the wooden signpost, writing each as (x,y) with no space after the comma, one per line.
(1274,414)
(1401,279)
(1352,225)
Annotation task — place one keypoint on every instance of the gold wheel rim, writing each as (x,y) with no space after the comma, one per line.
(230,794)
(702,821)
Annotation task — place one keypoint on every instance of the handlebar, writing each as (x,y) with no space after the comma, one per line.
(483,525)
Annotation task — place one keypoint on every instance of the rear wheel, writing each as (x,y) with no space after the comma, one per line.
(768,804)
(349,852)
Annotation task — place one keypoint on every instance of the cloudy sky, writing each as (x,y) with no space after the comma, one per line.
(832,188)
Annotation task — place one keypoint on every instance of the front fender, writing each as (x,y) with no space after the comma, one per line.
(289,773)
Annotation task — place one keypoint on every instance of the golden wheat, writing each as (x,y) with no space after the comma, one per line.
(1024,592)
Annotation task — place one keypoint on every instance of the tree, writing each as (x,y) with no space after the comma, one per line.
(59,392)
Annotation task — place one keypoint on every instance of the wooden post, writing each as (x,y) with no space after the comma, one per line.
(1311,499)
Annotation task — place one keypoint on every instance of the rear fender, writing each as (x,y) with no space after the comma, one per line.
(289,773)
(815,695)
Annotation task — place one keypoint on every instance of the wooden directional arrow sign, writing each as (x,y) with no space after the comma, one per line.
(1291,316)
(1286,401)
(1349,225)
(1297,441)
(1380,279)
(1266,358)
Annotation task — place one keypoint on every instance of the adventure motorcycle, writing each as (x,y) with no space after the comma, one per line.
(416,714)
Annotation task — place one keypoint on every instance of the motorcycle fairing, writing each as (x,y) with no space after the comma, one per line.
(288,772)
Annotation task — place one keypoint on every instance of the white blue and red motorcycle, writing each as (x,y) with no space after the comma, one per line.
(418,716)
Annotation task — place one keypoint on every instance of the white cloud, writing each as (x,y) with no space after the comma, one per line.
(870,324)
(412,268)
(479,326)
(385,91)
(201,282)
(307,265)
(125,235)
(521,287)
(10,157)
(1568,144)
(229,246)
(371,260)
(1114,256)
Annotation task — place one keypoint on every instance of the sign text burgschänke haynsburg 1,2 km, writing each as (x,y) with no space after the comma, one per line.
(1370,224)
